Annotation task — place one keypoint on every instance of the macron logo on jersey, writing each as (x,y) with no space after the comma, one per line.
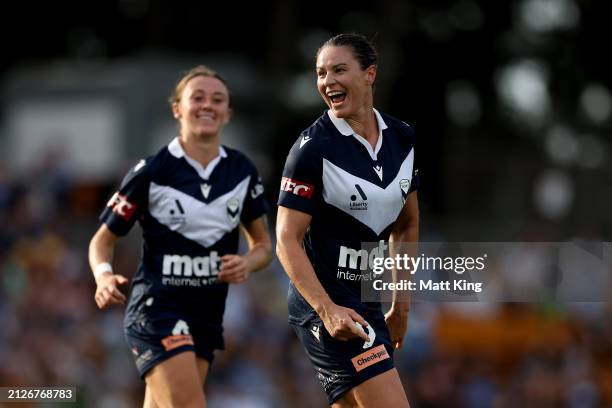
(296,187)
(121,206)
(305,139)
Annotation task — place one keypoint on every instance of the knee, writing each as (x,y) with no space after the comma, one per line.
(171,397)
(188,399)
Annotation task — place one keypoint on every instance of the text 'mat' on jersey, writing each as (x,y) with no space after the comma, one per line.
(354,194)
(189,217)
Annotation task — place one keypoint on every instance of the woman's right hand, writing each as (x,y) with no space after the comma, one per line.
(343,323)
(107,292)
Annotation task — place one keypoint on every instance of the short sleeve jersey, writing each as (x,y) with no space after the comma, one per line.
(189,217)
(354,194)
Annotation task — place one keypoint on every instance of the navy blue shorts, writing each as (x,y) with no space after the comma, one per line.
(342,365)
(154,338)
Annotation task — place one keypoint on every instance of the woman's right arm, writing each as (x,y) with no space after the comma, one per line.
(291,225)
(100,258)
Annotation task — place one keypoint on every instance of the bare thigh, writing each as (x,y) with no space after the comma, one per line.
(384,390)
(149,401)
(176,382)
(203,365)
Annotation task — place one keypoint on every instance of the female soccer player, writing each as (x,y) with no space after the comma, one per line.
(190,199)
(348,179)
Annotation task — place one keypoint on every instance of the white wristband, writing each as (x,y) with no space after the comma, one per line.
(101,268)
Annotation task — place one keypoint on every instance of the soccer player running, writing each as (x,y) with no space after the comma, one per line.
(190,199)
(348,179)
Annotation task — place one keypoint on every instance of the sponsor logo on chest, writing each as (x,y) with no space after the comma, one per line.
(359,201)
(190,271)
(199,266)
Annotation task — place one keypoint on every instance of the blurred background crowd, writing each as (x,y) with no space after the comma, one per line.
(511,102)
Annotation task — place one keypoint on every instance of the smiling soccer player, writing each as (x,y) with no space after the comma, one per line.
(349,178)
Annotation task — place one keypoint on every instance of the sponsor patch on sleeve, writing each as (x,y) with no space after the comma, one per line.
(296,187)
(370,357)
(122,206)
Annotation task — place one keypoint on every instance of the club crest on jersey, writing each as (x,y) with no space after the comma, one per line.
(233,209)
(405,187)
(205,189)
(360,202)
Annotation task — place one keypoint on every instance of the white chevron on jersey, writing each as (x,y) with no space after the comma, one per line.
(383,204)
(201,222)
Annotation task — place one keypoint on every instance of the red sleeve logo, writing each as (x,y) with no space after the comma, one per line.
(298,188)
(121,206)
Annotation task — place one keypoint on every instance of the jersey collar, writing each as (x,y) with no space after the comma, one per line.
(345,129)
(175,149)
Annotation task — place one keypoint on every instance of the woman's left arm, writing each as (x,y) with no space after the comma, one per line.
(237,268)
(405,231)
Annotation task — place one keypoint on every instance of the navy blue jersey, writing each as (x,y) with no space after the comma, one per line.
(354,194)
(189,217)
